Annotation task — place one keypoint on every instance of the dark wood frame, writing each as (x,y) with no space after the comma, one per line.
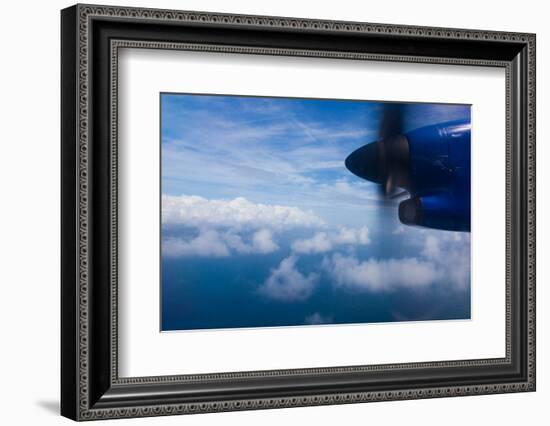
(90,386)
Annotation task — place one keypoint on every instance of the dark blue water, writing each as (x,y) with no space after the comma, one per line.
(206,293)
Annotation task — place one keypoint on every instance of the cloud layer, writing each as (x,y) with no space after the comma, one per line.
(237,213)
(225,227)
(444,258)
(212,243)
(380,275)
(222,228)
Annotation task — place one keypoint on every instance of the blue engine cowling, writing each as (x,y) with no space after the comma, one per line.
(439,177)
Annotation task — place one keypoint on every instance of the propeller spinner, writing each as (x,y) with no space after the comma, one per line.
(385,161)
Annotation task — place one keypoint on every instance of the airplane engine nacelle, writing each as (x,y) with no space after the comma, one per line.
(439,156)
(438,211)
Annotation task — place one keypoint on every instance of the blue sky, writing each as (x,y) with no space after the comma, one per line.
(262,225)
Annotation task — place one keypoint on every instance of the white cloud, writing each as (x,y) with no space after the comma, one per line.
(380,275)
(225,227)
(238,213)
(286,283)
(431,247)
(444,258)
(353,236)
(317,318)
(213,243)
(400,229)
(207,243)
(352,192)
(323,242)
(319,243)
(450,251)
(262,241)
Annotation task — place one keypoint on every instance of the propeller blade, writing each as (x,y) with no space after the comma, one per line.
(388,186)
(394,152)
(391,120)
(398,195)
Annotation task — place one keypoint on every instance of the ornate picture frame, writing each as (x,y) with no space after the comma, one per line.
(91,37)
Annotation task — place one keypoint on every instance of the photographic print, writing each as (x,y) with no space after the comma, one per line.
(281,212)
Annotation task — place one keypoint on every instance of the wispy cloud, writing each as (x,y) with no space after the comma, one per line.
(261,148)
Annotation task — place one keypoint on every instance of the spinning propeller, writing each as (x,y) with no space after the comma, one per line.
(385,161)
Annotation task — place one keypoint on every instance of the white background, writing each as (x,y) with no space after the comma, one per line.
(146,352)
(29,229)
